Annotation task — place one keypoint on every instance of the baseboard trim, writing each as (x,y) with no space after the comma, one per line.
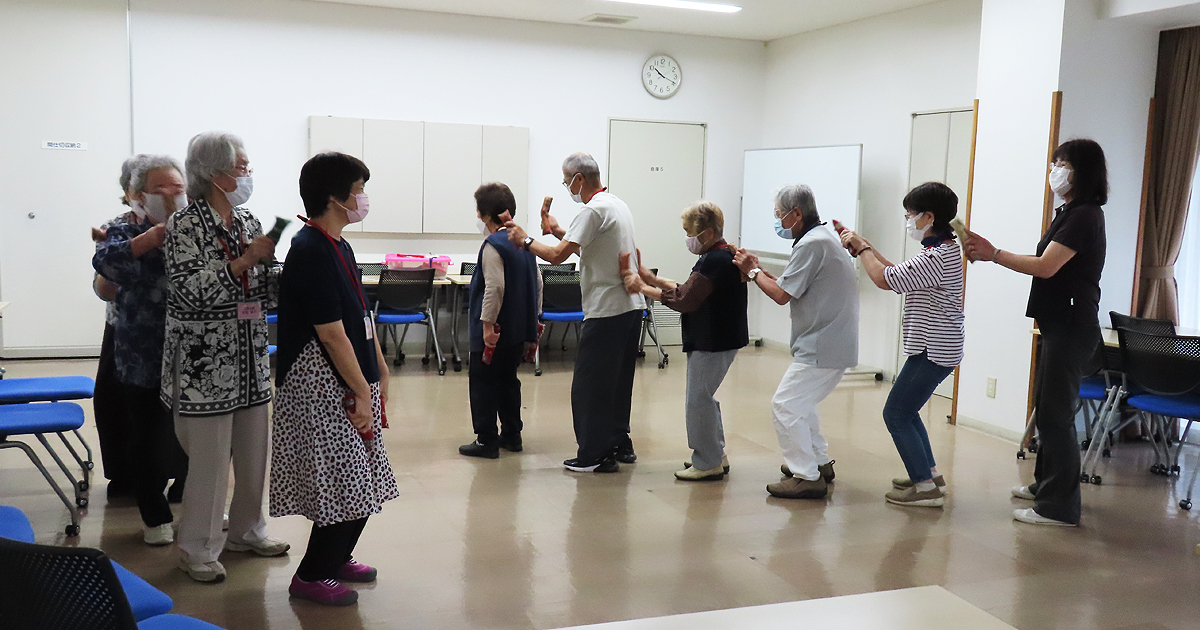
(1007,435)
(58,352)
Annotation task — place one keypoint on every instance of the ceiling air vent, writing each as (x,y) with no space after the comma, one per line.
(604,18)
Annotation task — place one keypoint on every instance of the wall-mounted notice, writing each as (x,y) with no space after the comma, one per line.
(63,145)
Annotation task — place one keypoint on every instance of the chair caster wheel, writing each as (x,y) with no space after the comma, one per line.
(1106,452)
(641,354)
(1175,470)
(1083,478)
(1185,504)
(398,362)
(442,369)
(72,530)
(82,486)
(537,372)
(878,377)
(1084,446)
(1095,480)
(424,360)
(81,502)
(1021,454)
(661,365)
(90,465)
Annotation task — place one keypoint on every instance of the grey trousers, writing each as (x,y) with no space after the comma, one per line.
(706,435)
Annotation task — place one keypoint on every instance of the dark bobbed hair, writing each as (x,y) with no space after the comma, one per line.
(328,175)
(1089,181)
(494,199)
(935,198)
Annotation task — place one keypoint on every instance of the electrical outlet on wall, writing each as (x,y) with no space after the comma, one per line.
(991,387)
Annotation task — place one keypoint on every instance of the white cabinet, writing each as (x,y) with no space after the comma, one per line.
(394,151)
(424,175)
(506,160)
(453,167)
(344,135)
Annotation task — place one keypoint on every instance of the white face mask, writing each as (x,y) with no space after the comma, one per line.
(694,245)
(155,206)
(138,210)
(577,197)
(483,228)
(914,232)
(239,195)
(1060,180)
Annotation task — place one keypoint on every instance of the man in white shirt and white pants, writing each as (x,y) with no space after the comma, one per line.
(602,386)
(820,286)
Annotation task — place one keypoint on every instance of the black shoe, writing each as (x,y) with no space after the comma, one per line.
(606,465)
(625,454)
(475,449)
(175,492)
(512,445)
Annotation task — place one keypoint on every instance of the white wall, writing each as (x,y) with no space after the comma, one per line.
(860,83)
(260,69)
(1107,80)
(1019,48)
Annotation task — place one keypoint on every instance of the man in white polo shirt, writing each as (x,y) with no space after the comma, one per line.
(602,386)
(820,287)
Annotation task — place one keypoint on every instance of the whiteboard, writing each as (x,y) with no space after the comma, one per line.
(833,173)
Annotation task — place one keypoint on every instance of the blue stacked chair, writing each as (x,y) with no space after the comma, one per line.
(562,302)
(404,298)
(52,389)
(38,419)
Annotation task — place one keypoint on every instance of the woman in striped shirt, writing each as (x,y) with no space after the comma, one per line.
(932,284)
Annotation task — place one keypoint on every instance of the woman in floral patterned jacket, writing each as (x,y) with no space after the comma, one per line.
(216,373)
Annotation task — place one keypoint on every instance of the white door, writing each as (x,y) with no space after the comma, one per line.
(940,152)
(658,169)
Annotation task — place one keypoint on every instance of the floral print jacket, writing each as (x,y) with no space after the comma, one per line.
(141,303)
(213,362)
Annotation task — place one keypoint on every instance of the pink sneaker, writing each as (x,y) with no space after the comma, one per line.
(327,592)
(356,572)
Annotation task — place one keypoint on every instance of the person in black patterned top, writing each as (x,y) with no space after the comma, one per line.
(216,373)
(932,284)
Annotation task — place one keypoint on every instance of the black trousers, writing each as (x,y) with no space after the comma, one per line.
(1068,352)
(329,548)
(602,387)
(112,419)
(496,393)
(158,455)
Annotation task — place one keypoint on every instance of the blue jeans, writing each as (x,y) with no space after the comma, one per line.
(902,413)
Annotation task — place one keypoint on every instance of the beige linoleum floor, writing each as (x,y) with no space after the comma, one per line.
(521,543)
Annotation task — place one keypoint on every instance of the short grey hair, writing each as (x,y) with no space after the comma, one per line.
(209,155)
(583,164)
(148,164)
(126,179)
(801,196)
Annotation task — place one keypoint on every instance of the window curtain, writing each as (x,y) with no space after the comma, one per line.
(1173,156)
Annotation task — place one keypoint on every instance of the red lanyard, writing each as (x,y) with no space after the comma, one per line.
(245,277)
(345,266)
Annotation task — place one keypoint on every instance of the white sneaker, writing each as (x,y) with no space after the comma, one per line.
(1027,515)
(225,523)
(1022,492)
(267,547)
(203,571)
(158,535)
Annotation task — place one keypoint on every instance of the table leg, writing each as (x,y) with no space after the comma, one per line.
(456,308)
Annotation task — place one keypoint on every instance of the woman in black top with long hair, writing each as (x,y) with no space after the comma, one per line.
(1065,300)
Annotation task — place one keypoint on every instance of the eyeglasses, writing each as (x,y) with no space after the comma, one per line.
(241,171)
(780,213)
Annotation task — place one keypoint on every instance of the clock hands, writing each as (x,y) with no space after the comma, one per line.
(662,75)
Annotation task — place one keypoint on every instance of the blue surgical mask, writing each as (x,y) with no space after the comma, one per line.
(782,231)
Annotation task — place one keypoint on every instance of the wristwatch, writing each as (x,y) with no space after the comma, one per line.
(528,241)
(753,273)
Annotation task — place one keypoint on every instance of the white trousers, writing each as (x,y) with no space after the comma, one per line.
(210,443)
(795,408)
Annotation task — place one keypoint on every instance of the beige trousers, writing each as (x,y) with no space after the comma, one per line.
(210,442)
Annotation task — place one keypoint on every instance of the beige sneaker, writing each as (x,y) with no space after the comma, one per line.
(825,469)
(901,483)
(203,571)
(690,473)
(724,464)
(267,547)
(159,535)
(797,488)
(1022,492)
(910,496)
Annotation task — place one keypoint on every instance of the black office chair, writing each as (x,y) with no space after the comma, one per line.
(404,298)
(1141,324)
(371,270)
(1167,368)
(69,588)
(562,267)
(562,301)
(466,269)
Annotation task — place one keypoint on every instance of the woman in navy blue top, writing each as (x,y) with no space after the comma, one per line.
(328,461)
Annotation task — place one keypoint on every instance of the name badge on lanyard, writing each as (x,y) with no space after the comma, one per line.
(370,327)
(249,310)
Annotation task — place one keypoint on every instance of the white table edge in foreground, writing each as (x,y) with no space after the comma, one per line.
(920,608)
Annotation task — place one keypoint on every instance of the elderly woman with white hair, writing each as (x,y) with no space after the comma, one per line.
(819,285)
(131,256)
(216,372)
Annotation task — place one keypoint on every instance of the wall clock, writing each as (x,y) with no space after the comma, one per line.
(661,76)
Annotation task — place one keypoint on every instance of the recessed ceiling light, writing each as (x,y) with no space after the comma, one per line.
(685,4)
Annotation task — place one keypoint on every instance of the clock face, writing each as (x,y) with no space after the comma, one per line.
(661,76)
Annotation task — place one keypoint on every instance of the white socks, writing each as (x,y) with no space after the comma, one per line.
(925,486)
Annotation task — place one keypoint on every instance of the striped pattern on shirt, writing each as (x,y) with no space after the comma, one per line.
(932,285)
